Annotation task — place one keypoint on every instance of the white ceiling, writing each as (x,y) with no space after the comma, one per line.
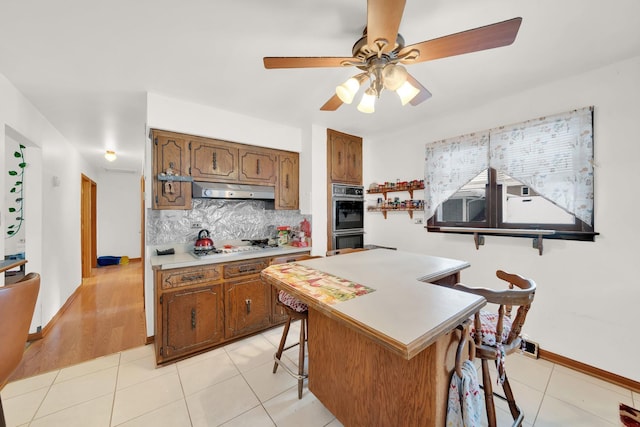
(87,65)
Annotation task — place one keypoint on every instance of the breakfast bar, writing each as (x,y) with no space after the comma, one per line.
(382,338)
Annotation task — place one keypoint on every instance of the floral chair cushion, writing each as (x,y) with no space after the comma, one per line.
(488,321)
(292,302)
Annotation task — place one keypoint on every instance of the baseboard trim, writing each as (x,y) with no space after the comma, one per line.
(150,340)
(47,328)
(590,370)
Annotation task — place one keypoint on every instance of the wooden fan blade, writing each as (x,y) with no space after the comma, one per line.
(305,62)
(424,93)
(332,104)
(482,38)
(383,21)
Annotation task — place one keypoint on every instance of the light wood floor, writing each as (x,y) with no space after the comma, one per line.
(106,316)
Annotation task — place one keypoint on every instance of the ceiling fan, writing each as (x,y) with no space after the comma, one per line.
(381,51)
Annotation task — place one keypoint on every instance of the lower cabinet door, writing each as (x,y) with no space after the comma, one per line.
(192,319)
(247,306)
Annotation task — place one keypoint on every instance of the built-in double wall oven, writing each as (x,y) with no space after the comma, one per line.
(347,219)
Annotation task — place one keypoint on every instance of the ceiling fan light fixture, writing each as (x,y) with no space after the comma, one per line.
(368,101)
(347,90)
(407,92)
(393,76)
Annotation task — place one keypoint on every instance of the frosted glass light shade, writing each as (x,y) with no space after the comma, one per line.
(110,155)
(407,92)
(347,90)
(393,76)
(368,102)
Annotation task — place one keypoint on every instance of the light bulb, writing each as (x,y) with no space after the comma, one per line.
(347,90)
(407,92)
(393,76)
(368,101)
(110,155)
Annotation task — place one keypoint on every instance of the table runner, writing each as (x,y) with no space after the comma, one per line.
(321,286)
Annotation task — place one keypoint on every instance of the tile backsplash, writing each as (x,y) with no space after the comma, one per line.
(225,220)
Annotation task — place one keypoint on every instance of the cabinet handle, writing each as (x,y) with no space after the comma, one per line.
(193,318)
(286,183)
(215,160)
(246,268)
(248,304)
(191,278)
(258,166)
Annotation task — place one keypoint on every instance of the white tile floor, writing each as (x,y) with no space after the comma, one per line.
(234,386)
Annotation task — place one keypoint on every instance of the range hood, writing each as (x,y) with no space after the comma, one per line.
(218,190)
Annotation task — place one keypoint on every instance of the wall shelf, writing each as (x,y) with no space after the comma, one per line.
(396,189)
(479,233)
(385,210)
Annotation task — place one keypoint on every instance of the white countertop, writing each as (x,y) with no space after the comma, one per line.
(403,313)
(187,259)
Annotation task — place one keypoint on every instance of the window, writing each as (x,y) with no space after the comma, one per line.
(536,175)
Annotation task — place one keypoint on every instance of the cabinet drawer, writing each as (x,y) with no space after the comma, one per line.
(245,268)
(190,276)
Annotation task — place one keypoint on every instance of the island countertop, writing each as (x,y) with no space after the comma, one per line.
(402,313)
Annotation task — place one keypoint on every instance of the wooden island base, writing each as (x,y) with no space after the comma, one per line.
(365,384)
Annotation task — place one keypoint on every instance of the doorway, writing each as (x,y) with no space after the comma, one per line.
(88,226)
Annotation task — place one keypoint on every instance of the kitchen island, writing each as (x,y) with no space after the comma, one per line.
(382,342)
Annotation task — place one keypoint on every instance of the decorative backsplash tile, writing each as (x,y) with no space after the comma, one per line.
(225,219)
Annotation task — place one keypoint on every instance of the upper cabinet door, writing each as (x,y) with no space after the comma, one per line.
(170,159)
(345,157)
(258,165)
(287,190)
(214,161)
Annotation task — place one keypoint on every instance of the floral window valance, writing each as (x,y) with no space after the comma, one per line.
(553,155)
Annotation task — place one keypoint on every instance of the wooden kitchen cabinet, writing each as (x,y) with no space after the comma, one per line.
(344,154)
(179,159)
(189,311)
(201,307)
(258,166)
(171,179)
(193,320)
(247,297)
(248,306)
(213,160)
(287,190)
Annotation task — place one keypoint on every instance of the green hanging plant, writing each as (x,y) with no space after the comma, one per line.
(16,217)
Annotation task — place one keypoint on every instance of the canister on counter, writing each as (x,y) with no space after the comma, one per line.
(283,235)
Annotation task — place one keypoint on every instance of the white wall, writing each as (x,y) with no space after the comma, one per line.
(118,214)
(586,305)
(194,119)
(53,234)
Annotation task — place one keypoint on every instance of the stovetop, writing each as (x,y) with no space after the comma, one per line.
(232,249)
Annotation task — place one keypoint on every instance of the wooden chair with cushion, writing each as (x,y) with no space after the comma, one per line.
(295,310)
(497,334)
(345,251)
(17,304)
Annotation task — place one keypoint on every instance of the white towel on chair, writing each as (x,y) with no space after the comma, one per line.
(464,407)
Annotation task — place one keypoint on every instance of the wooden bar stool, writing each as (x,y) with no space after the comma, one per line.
(295,310)
(497,335)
